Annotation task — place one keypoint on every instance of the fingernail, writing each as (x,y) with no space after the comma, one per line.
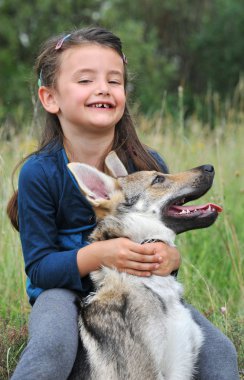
(156,266)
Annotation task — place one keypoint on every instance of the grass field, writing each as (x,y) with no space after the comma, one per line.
(212,259)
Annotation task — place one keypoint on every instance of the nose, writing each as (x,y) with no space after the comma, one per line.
(208,168)
(102,88)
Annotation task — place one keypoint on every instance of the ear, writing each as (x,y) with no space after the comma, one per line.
(48,100)
(96,185)
(114,165)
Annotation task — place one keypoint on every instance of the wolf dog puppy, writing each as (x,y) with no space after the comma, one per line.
(137,328)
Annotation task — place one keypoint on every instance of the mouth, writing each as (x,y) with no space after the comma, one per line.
(102,105)
(181,217)
(178,210)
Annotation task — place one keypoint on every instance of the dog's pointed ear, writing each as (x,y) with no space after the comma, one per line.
(96,185)
(114,166)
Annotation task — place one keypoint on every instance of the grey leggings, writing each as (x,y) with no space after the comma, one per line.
(53,342)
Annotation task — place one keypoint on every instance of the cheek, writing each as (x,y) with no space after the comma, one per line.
(121,100)
(76,93)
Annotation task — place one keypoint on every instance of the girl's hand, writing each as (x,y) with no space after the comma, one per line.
(130,257)
(170,257)
(122,254)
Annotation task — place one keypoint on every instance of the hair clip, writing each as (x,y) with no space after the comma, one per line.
(60,42)
(39,82)
(125,59)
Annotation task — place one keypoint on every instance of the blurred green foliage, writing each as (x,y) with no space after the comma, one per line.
(170,43)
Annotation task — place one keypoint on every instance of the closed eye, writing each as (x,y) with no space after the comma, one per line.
(84,81)
(114,82)
(158,179)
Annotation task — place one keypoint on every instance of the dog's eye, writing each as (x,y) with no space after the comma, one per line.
(158,179)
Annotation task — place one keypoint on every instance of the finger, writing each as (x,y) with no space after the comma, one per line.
(143,249)
(162,272)
(164,269)
(138,257)
(145,267)
(138,273)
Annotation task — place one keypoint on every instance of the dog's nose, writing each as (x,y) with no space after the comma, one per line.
(208,168)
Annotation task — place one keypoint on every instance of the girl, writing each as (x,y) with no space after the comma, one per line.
(82,87)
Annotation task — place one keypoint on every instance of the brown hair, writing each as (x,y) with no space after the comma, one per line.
(126,142)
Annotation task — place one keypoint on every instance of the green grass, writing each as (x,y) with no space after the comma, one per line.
(212,259)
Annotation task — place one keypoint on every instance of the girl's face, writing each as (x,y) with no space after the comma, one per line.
(90,92)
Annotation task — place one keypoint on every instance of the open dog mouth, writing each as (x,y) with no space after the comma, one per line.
(181,218)
(178,210)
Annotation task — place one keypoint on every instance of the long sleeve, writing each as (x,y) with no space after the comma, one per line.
(46,264)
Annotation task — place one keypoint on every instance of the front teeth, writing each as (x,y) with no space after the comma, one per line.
(101,105)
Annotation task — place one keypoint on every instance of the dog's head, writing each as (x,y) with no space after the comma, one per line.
(150,194)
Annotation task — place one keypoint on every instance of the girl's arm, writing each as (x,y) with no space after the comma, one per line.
(46,265)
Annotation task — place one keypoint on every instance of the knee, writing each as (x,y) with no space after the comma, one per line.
(54,309)
(218,348)
(228,348)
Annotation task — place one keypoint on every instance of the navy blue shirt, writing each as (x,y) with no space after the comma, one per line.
(55,220)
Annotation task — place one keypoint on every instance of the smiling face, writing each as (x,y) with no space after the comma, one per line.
(90,93)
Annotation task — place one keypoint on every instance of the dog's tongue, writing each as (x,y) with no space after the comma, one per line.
(190,209)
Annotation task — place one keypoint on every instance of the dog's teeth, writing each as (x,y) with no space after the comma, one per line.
(183,212)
